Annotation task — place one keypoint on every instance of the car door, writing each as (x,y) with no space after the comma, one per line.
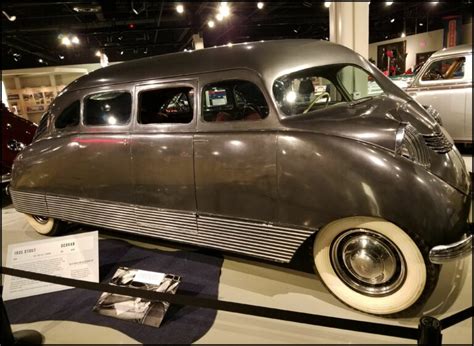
(235,153)
(162,158)
(443,84)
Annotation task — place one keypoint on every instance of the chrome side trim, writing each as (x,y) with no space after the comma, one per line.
(6,178)
(444,253)
(257,239)
(29,203)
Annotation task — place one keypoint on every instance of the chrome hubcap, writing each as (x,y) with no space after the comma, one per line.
(41,219)
(368,262)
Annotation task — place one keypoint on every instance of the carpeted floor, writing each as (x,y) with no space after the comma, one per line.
(200,277)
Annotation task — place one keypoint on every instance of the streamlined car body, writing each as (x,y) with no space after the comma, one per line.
(255,149)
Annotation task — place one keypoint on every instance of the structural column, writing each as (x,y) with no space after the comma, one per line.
(349,25)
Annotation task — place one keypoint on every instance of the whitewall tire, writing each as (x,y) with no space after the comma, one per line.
(45,225)
(373,265)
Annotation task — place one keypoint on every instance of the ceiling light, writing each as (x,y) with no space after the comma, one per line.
(75,40)
(219,17)
(179,8)
(420,24)
(392,20)
(295,31)
(66,41)
(61,56)
(229,44)
(121,52)
(434,2)
(403,35)
(211,23)
(40,60)
(145,51)
(225,11)
(386,36)
(388,3)
(98,53)
(11,19)
(260,5)
(327,4)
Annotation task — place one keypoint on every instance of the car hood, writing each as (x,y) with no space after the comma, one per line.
(376,121)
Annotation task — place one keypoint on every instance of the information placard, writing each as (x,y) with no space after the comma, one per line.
(75,257)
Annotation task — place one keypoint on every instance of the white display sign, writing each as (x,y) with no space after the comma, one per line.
(75,257)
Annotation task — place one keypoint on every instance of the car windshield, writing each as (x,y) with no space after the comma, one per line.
(322,87)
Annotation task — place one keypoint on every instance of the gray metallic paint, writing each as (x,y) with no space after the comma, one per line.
(257,187)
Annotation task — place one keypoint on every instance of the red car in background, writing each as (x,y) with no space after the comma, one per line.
(17,133)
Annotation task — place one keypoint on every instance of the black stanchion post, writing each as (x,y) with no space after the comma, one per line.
(7,336)
(21,337)
(430,331)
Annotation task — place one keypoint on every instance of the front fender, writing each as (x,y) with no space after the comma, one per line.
(323,178)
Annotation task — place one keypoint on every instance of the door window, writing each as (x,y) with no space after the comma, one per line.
(108,108)
(445,69)
(166,106)
(233,100)
(69,116)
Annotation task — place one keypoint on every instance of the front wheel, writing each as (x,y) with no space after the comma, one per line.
(45,225)
(374,266)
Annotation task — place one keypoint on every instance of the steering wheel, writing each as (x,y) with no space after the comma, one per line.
(316,99)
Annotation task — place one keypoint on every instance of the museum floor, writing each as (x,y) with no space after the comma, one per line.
(264,284)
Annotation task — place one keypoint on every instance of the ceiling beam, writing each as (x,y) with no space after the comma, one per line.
(26,50)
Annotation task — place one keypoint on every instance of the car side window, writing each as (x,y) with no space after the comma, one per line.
(69,117)
(452,68)
(166,106)
(233,100)
(108,108)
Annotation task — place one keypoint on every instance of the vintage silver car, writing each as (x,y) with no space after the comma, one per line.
(445,83)
(256,149)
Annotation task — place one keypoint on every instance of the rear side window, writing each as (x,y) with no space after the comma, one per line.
(166,106)
(108,108)
(233,100)
(69,117)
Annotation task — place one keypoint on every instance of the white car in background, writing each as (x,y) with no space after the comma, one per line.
(445,83)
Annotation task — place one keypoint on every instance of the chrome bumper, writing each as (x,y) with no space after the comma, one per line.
(6,178)
(444,253)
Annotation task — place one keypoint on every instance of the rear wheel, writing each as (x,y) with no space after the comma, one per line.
(45,225)
(374,266)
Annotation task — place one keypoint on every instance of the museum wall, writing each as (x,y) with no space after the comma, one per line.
(425,42)
(32,90)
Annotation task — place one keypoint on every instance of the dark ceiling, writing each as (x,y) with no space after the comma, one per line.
(127,29)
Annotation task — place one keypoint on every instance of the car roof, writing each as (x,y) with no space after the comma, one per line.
(271,59)
(465,48)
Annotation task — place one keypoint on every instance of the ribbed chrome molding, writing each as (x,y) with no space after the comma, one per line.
(438,142)
(30,203)
(263,240)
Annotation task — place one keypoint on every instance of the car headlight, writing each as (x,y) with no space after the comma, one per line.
(434,113)
(411,145)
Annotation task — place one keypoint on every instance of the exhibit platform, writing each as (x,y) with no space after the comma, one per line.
(290,287)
